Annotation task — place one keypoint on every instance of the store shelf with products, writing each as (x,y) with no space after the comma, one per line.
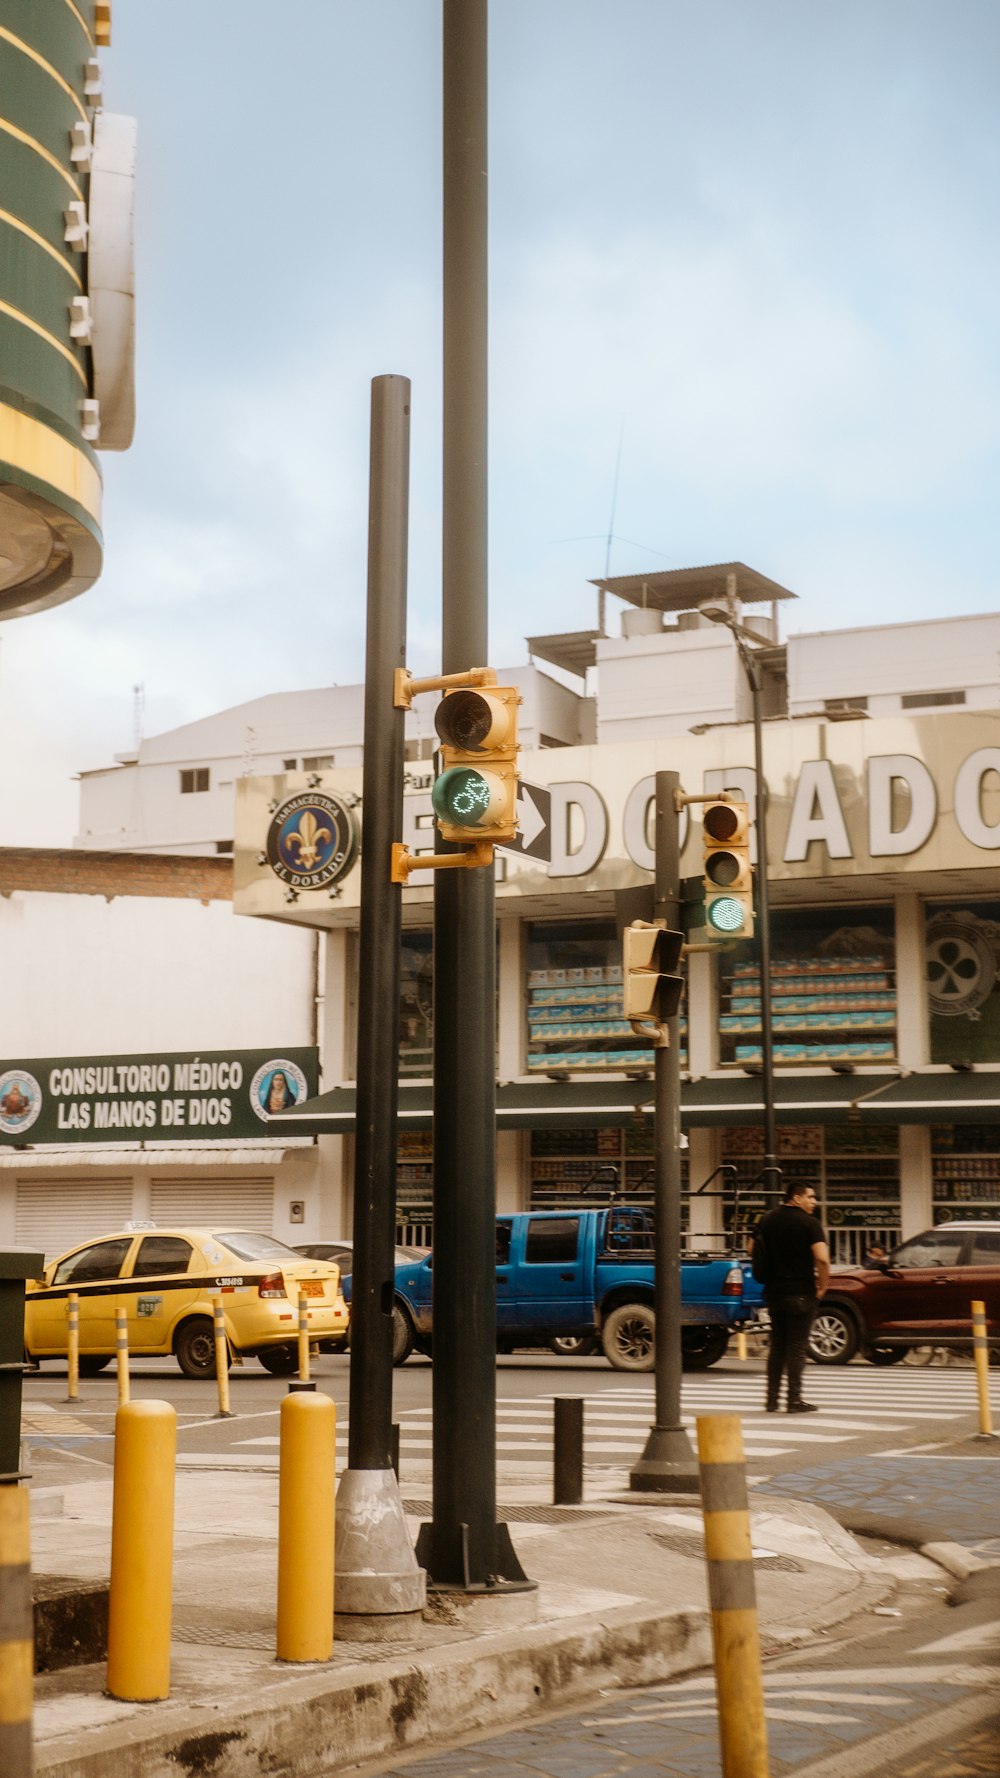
(854,1173)
(414,1187)
(822,1010)
(965,1170)
(576,1021)
(570,1168)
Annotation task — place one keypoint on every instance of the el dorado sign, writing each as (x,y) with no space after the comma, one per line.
(219,1096)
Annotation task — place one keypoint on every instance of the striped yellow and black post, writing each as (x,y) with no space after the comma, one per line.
(306,1503)
(303,1337)
(981,1354)
(73,1346)
(732,1597)
(142,1551)
(16,1637)
(221,1358)
(121,1353)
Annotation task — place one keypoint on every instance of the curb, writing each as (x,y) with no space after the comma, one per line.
(324,1721)
(954,1558)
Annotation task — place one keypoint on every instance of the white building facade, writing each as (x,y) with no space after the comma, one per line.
(882,762)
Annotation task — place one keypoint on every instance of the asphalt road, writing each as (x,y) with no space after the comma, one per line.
(864,1411)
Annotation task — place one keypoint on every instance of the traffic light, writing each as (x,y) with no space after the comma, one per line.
(652,986)
(475,795)
(728,875)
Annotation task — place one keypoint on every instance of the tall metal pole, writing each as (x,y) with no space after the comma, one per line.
(772,1171)
(376,1569)
(668,1463)
(463,1547)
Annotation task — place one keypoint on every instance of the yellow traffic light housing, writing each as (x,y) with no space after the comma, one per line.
(475,795)
(652,986)
(728,876)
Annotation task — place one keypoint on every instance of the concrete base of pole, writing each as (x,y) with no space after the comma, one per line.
(668,1464)
(376,1570)
(489,1609)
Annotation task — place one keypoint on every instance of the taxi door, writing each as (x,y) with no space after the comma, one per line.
(162,1281)
(93,1272)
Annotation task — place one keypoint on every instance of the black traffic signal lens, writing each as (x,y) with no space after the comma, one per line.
(723,868)
(463,719)
(721,821)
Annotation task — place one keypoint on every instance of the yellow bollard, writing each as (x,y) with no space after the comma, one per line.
(732,1597)
(981,1354)
(121,1349)
(73,1346)
(741,1343)
(221,1359)
(306,1499)
(303,1337)
(17,1646)
(142,1551)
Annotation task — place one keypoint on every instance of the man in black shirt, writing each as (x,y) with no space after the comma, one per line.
(795,1267)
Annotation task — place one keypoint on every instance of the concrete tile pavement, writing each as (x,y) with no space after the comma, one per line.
(621,1602)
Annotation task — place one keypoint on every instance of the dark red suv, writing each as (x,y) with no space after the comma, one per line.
(920,1295)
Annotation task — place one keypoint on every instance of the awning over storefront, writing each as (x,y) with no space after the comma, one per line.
(959,1097)
(595,1104)
(572,1104)
(798,1098)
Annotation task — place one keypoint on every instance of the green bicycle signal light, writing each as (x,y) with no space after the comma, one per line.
(475,794)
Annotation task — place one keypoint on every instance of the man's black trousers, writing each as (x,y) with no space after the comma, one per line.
(790,1324)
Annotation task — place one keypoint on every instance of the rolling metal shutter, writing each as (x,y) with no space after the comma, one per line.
(53,1215)
(214,1203)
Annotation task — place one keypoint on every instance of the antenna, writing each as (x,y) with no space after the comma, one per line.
(138,714)
(614,501)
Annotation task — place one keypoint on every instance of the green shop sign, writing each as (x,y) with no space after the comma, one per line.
(220,1096)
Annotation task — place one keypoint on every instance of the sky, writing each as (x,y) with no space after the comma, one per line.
(744,258)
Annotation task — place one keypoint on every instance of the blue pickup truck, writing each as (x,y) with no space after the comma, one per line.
(589,1272)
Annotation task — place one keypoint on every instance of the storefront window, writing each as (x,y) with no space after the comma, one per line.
(854,1173)
(833,989)
(963,960)
(575,1010)
(414,1188)
(965,1164)
(416,1004)
(595,1167)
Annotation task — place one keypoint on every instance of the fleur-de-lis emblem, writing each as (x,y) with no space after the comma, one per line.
(307,840)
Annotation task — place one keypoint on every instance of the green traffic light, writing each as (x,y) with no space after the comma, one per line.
(462,796)
(726,914)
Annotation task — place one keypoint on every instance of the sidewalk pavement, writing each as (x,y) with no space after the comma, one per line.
(621,1601)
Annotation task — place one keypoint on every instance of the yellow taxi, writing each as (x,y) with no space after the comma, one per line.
(167,1280)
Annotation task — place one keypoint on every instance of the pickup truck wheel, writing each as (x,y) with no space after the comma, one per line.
(833,1337)
(402,1335)
(628,1337)
(574,1345)
(702,1346)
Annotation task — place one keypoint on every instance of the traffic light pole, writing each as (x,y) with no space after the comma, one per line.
(771,1171)
(377,1573)
(463,1548)
(668,1463)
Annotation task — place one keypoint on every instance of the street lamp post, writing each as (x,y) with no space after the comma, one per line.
(771,1170)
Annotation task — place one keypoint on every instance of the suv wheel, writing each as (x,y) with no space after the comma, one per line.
(833,1337)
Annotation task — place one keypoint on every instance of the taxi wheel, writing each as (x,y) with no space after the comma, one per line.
(194,1348)
(93,1362)
(281,1361)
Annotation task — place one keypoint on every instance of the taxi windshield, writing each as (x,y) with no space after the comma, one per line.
(246,1245)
